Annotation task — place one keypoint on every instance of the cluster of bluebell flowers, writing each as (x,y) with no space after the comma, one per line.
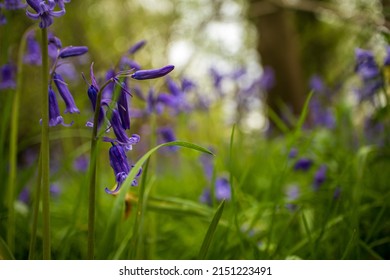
(114,108)
(10,5)
(45,11)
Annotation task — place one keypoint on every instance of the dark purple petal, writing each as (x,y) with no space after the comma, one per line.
(123,107)
(320,177)
(72,51)
(168,135)
(65,94)
(7,76)
(153,73)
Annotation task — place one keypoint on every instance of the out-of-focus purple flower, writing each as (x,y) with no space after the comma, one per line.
(136,47)
(81,164)
(321,115)
(108,91)
(120,133)
(54,46)
(217,79)
(121,167)
(127,63)
(337,193)
(33,54)
(293,153)
(13,5)
(292,194)
(168,135)
(205,197)
(187,84)
(177,101)
(44,12)
(317,84)
(267,79)
(222,189)
(238,73)
(320,177)
(54,111)
(61,3)
(65,94)
(7,76)
(386,61)
(153,73)
(3,19)
(208,165)
(24,195)
(303,164)
(370,74)
(172,86)
(374,131)
(72,51)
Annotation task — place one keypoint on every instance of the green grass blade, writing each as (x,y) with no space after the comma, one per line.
(210,232)
(5,253)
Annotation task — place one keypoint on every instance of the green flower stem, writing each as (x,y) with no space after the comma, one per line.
(13,148)
(92,176)
(35,214)
(45,149)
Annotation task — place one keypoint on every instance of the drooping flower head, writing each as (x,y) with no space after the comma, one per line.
(33,53)
(121,167)
(65,94)
(121,137)
(222,189)
(44,11)
(54,111)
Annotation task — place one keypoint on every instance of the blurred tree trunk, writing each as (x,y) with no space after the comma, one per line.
(279,48)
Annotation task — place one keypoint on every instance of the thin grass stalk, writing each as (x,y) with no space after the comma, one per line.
(35,215)
(45,149)
(13,148)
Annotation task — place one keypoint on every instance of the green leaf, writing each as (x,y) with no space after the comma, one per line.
(210,232)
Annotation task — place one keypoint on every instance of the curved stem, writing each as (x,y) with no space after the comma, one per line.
(45,160)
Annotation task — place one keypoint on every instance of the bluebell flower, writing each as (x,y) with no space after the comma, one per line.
(65,94)
(293,153)
(121,167)
(337,193)
(127,63)
(187,84)
(72,51)
(92,95)
(54,111)
(168,135)
(319,177)
(44,12)
(136,47)
(33,53)
(217,79)
(222,189)
(153,73)
(205,197)
(303,164)
(3,19)
(123,107)
(370,74)
(81,164)
(386,61)
(7,76)
(120,133)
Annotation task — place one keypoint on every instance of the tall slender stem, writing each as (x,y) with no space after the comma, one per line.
(45,149)
(13,149)
(92,176)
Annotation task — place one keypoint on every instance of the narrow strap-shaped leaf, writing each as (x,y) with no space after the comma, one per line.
(210,232)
